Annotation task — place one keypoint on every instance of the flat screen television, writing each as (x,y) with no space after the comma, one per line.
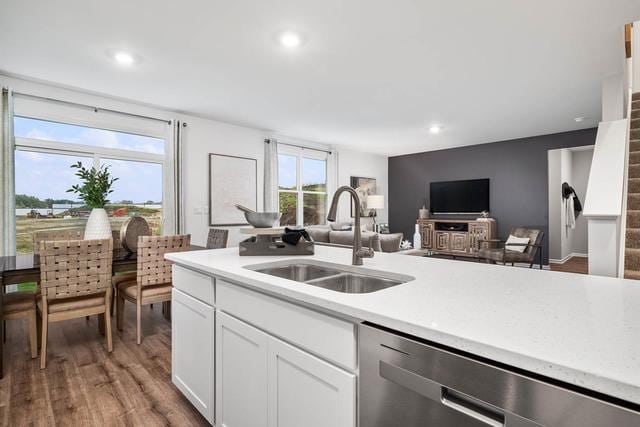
(459,197)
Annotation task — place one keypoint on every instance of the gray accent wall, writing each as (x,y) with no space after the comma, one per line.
(518,170)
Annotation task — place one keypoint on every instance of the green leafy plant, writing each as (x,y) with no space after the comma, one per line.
(95,187)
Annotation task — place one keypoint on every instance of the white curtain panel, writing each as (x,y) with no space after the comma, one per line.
(270,175)
(172,189)
(7,185)
(332,175)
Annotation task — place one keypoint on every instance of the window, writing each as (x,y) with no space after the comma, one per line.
(302,186)
(45,151)
(42,202)
(24,127)
(138,191)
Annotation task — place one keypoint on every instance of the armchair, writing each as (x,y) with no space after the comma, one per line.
(496,251)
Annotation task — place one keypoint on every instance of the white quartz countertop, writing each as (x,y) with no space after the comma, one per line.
(583,330)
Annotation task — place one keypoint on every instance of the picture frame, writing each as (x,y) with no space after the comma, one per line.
(232,180)
(364,187)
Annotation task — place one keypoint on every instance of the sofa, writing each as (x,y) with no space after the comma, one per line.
(325,234)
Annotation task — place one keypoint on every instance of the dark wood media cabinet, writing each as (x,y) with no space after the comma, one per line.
(454,236)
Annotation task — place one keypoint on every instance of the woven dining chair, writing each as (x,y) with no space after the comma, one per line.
(153,279)
(217,238)
(75,281)
(44,236)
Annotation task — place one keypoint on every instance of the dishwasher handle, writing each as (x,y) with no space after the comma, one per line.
(460,402)
(472,407)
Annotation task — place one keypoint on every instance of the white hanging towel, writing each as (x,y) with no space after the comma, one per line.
(569,213)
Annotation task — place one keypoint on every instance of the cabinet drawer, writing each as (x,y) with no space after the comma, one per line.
(326,336)
(197,285)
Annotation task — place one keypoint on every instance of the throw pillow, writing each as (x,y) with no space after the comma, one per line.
(513,239)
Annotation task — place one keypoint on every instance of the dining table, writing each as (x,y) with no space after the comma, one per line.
(25,268)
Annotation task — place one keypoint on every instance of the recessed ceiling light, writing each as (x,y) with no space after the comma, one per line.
(580,119)
(435,129)
(290,39)
(124,58)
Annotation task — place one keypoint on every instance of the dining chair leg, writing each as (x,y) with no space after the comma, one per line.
(45,327)
(119,311)
(138,320)
(166,312)
(107,321)
(38,327)
(101,324)
(114,294)
(4,331)
(33,334)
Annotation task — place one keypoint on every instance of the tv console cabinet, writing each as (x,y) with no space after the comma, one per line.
(454,236)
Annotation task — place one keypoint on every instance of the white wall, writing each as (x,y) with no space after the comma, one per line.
(566,173)
(352,163)
(204,136)
(581,166)
(613,97)
(555,205)
(635,46)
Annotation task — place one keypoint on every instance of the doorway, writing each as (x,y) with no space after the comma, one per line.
(568,234)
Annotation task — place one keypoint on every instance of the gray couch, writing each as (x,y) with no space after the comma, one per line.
(324,234)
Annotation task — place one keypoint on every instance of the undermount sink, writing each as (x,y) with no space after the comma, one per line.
(298,272)
(350,283)
(334,277)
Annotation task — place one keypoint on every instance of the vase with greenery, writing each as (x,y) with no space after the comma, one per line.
(94,189)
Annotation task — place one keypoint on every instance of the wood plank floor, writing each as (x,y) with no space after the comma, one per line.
(573,265)
(83,385)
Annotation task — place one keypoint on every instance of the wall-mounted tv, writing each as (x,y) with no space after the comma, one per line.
(459,197)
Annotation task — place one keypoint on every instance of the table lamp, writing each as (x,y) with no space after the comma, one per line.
(375,202)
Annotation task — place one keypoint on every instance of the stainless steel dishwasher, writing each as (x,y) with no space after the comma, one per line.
(405,382)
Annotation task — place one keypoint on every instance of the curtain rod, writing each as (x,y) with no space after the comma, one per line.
(268,141)
(92,107)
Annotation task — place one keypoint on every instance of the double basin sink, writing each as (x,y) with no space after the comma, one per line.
(335,277)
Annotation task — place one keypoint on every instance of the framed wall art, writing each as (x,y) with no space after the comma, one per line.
(364,187)
(232,180)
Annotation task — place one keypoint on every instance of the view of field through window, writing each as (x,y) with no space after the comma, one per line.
(309,189)
(42,179)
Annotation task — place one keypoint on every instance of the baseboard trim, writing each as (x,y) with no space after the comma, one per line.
(568,257)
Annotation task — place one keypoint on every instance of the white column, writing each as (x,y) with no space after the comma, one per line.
(604,202)
(604,246)
(635,52)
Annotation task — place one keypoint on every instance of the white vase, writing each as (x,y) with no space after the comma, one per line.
(98,226)
(417,238)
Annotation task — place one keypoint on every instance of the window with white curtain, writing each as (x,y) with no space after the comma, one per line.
(303,183)
(45,150)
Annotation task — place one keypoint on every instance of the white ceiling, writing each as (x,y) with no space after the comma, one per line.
(372,75)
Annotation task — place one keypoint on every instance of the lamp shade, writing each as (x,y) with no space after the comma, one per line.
(375,201)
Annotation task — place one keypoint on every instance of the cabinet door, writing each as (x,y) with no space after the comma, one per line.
(459,242)
(477,232)
(192,351)
(427,236)
(442,240)
(307,391)
(241,374)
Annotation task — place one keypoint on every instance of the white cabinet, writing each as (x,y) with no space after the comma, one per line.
(307,391)
(192,351)
(263,381)
(241,367)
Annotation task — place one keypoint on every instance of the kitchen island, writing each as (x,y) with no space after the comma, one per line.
(582,331)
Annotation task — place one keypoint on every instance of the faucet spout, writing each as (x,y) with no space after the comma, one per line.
(358,251)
